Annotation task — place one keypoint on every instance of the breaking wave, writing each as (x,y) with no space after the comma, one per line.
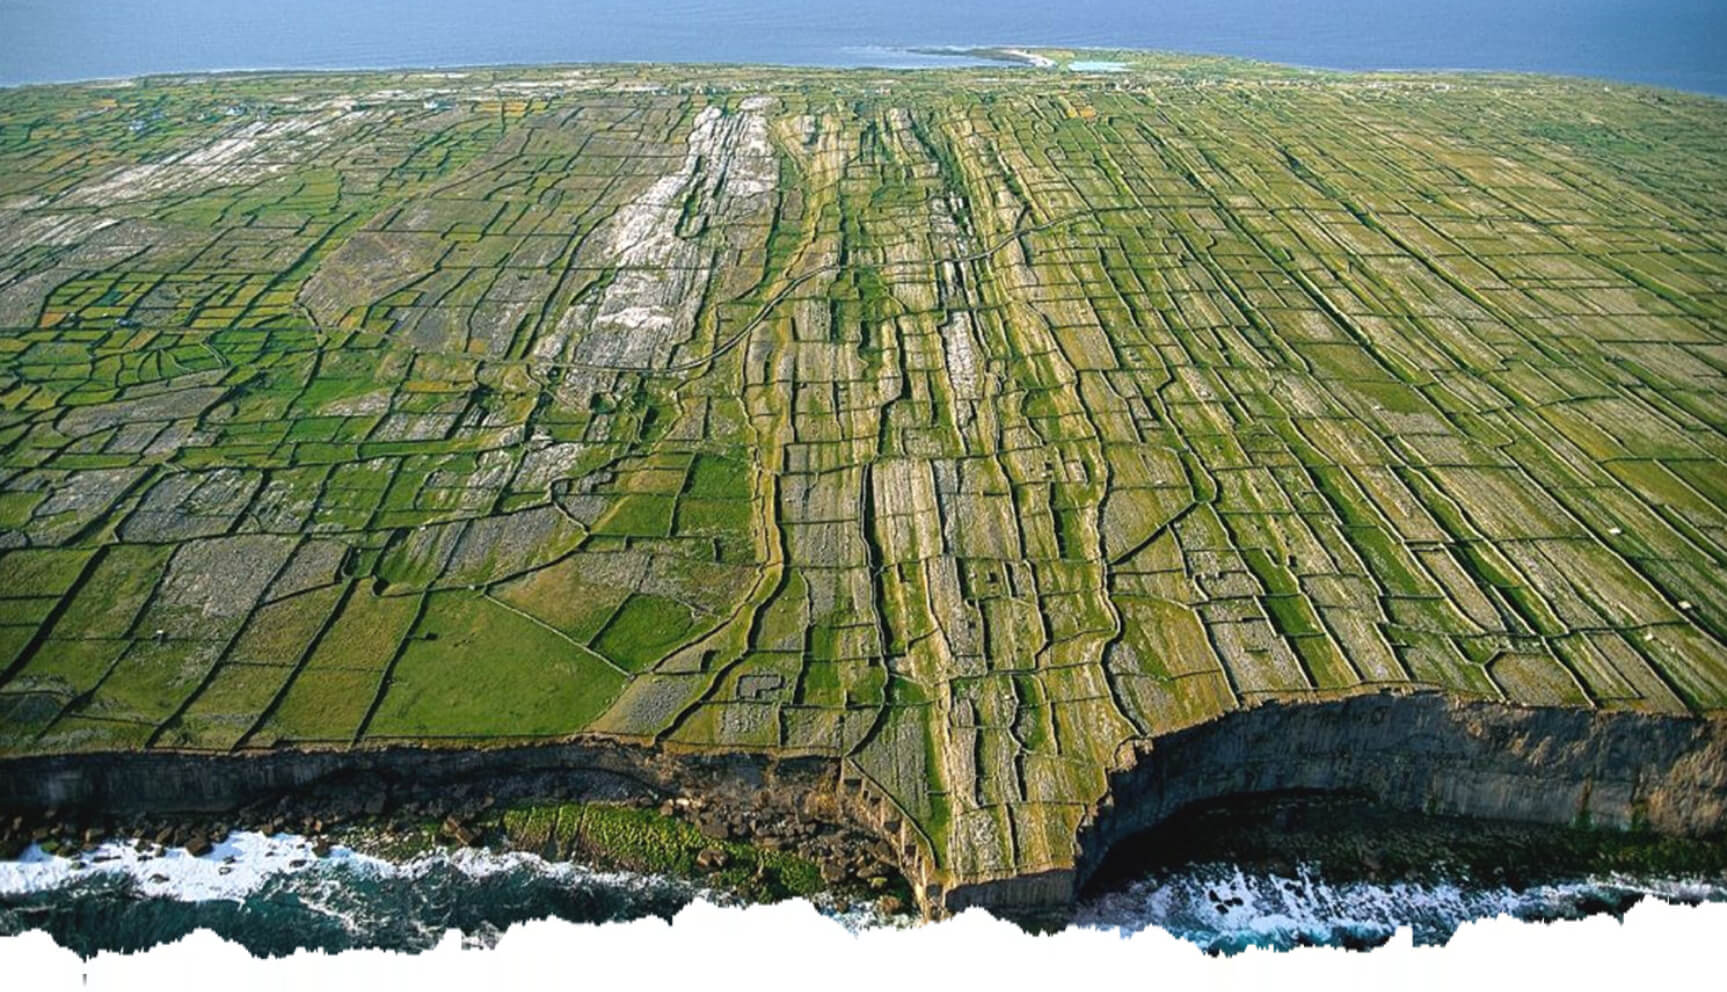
(275,895)
(1225,909)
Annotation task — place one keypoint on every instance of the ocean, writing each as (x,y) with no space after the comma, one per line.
(1674,43)
(274,895)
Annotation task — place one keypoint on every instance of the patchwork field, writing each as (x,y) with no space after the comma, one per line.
(961,426)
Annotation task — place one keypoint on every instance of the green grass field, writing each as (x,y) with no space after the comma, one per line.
(963,424)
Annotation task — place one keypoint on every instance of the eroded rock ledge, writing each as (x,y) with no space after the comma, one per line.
(175,782)
(1422,752)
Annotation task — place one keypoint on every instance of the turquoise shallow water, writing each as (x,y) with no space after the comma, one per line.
(1679,43)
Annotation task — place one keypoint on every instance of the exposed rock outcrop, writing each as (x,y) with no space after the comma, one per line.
(1422,752)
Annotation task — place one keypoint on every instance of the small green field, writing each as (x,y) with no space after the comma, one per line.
(961,426)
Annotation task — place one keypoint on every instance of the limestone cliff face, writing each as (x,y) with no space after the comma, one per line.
(1421,752)
(161,782)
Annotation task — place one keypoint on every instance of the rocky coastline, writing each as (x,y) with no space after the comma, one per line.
(696,826)
(1414,752)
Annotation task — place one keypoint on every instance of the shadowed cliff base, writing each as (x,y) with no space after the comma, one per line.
(965,431)
(1423,753)
(1325,869)
(1344,839)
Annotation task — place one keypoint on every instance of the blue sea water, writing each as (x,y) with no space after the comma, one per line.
(113,900)
(1225,908)
(1677,43)
(273,895)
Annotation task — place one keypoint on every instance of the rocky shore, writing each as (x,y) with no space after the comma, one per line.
(1426,753)
(1348,839)
(703,813)
(764,851)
